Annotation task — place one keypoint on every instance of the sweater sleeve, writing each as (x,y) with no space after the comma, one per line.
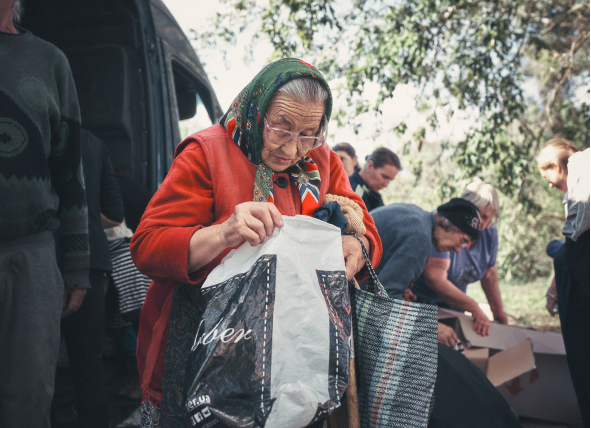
(182,205)
(67,178)
(340,185)
(111,200)
(398,272)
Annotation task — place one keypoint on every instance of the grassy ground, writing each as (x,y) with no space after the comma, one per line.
(524,304)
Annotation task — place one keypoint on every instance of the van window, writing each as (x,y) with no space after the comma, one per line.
(198,122)
(186,93)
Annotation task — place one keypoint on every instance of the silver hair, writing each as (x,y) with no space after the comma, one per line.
(308,91)
(305,89)
(446,225)
(483,195)
(17,11)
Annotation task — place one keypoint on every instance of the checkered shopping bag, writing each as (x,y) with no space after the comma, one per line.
(396,356)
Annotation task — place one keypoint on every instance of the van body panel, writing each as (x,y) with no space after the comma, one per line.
(136,75)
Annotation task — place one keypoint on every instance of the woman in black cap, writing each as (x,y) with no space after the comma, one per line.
(446,276)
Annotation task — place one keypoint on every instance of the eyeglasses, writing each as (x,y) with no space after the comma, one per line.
(305,143)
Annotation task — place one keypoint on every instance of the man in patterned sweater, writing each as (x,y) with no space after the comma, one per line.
(41,192)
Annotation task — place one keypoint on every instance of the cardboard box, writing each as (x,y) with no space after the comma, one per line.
(528,367)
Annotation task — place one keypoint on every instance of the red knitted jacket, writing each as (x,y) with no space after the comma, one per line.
(208,178)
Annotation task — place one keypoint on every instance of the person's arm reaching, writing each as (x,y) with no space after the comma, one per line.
(110,194)
(435,273)
(490,286)
(107,223)
(404,265)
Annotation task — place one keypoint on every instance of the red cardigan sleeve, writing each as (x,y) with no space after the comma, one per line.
(182,205)
(340,185)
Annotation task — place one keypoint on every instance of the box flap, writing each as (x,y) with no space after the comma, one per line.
(510,363)
(545,342)
(505,336)
(545,393)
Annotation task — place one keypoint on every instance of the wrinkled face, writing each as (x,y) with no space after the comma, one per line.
(555,175)
(486,214)
(301,119)
(378,178)
(348,161)
(449,240)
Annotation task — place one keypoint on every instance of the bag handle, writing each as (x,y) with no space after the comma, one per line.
(373,283)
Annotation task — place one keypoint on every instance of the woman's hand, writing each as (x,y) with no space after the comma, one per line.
(481,321)
(353,254)
(252,222)
(446,335)
(73,298)
(408,295)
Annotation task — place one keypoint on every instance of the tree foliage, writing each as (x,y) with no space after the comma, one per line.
(462,54)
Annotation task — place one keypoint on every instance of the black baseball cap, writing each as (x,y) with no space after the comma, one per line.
(463,214)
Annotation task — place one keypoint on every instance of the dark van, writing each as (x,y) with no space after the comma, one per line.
(136,75)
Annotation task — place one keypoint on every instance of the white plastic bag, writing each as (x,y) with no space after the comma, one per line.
(272,348)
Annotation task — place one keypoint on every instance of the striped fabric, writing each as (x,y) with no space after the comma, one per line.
(396,357)
(131,285)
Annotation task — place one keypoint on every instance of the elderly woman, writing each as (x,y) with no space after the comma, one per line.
(446,276)
(229,184)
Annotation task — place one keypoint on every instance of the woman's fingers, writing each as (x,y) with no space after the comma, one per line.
(451,342)
(453,337)
(446,335)
(350,268)
(353,254)
(275,215)
(258,226)
(268,215)
(252,222)
(481,323)
(482,327)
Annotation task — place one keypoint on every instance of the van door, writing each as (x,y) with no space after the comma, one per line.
(125,56)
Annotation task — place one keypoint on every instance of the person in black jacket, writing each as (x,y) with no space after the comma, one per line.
(84,330)
(382,167)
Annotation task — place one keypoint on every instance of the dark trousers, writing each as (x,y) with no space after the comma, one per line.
(84,333)
(573,309)
(31,296)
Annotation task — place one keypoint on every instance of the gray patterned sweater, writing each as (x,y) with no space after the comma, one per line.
(41,177)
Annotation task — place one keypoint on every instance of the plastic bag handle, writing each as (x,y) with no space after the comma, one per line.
(373,283)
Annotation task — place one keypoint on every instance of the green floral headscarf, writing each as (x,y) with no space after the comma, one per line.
(244,122)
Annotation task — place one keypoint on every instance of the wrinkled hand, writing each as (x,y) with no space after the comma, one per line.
(73,298)
(252,222)
(353,254)
(408,295)
(481,322)
(446,335)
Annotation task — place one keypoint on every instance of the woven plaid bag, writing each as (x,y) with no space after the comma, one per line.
(396,356)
